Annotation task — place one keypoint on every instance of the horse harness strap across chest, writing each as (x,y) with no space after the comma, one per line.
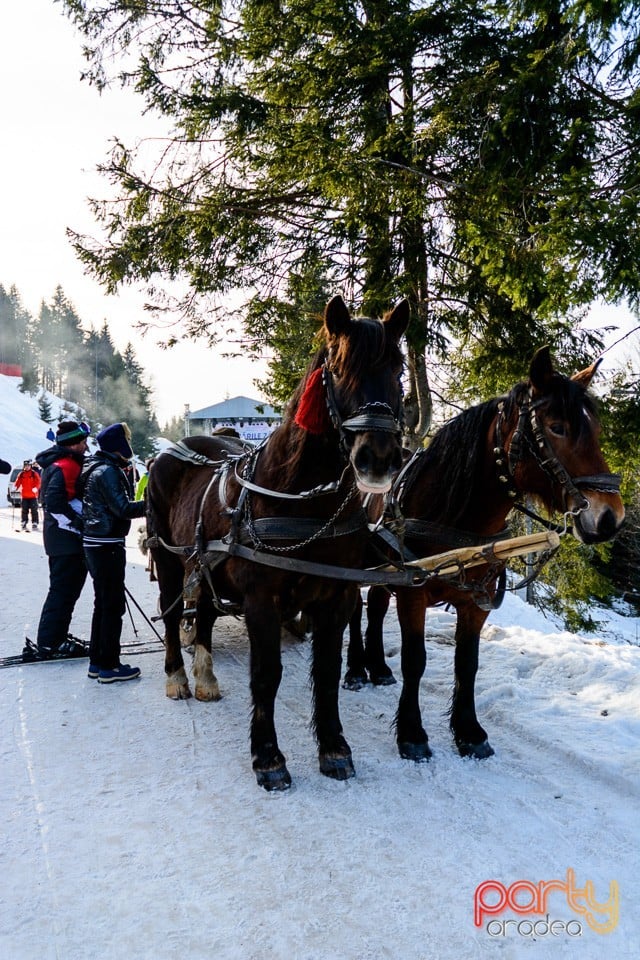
(247,535)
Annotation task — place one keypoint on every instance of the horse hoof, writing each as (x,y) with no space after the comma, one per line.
(177,685)
(383,679)
(272,780)
(479,751)
(178,691)
(418,752)
(208,694)
(354,681)
(338,768)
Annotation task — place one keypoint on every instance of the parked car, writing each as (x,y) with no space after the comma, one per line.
(13,495)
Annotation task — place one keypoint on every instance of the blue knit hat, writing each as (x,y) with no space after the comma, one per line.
(116,439)
(70,432)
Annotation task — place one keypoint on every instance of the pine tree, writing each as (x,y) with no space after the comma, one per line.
(14,324)
(477,158)
(174,429)
(44,408)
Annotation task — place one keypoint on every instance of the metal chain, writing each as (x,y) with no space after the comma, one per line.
(260,544)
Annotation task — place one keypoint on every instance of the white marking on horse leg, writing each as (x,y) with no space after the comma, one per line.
(177,686)
(206,684)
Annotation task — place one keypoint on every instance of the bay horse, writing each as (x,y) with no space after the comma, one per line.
(215,509)
(539,441)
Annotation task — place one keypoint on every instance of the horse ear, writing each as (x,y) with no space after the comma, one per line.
(337,318)
(541,369)
(398,320)
(584,377)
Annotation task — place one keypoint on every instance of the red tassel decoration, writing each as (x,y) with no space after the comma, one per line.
(312,414)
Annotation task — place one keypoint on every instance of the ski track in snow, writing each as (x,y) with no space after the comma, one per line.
(134,828)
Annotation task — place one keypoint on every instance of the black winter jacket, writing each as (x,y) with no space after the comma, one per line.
(62,531)
(107,510)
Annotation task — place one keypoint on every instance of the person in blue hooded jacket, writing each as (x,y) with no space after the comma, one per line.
(107,511)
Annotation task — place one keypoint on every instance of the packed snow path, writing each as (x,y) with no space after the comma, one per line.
(133,826)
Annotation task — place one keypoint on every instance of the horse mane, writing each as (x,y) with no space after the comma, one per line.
(457,452)
(453,459)
(286,444)
(366,348)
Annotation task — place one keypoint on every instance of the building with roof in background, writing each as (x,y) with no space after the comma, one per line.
(253,419)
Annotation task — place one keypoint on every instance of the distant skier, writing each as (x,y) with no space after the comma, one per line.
(28,483)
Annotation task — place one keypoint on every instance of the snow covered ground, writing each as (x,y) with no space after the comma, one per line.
(133,827)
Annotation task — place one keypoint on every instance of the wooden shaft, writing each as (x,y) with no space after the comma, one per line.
(451,560)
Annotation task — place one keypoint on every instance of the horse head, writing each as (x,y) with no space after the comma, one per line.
(355,389)
(554,452)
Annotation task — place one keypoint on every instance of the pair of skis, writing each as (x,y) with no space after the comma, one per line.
(28,656)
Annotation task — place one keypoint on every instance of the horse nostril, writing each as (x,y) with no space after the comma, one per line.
(378,461)
(607,525)
(363,460)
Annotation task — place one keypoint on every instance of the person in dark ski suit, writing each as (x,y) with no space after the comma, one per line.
(62,535)
(107,513)
(5,467)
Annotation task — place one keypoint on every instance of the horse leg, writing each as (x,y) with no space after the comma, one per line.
(356,675)
(377,606)
(206,687)
(470,737)
(263,626)
(329,620)
(411,737)
(365,660)
(170,579)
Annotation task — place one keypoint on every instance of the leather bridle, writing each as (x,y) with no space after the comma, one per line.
(530,434)
(375,416)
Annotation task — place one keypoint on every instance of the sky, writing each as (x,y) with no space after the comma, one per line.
(55,129)
(133,826)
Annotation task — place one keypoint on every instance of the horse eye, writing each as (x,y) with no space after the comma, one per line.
(558,429)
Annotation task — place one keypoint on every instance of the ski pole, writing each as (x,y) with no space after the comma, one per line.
(134,601)
(131,617)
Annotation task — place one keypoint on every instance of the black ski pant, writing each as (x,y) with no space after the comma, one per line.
(67,575)
(29,506)
(106,565)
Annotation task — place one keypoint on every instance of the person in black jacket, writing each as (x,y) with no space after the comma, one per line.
(107,513)
(5,467)
(62,534)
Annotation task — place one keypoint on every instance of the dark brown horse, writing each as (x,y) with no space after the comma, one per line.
(293,501)
(539,441)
